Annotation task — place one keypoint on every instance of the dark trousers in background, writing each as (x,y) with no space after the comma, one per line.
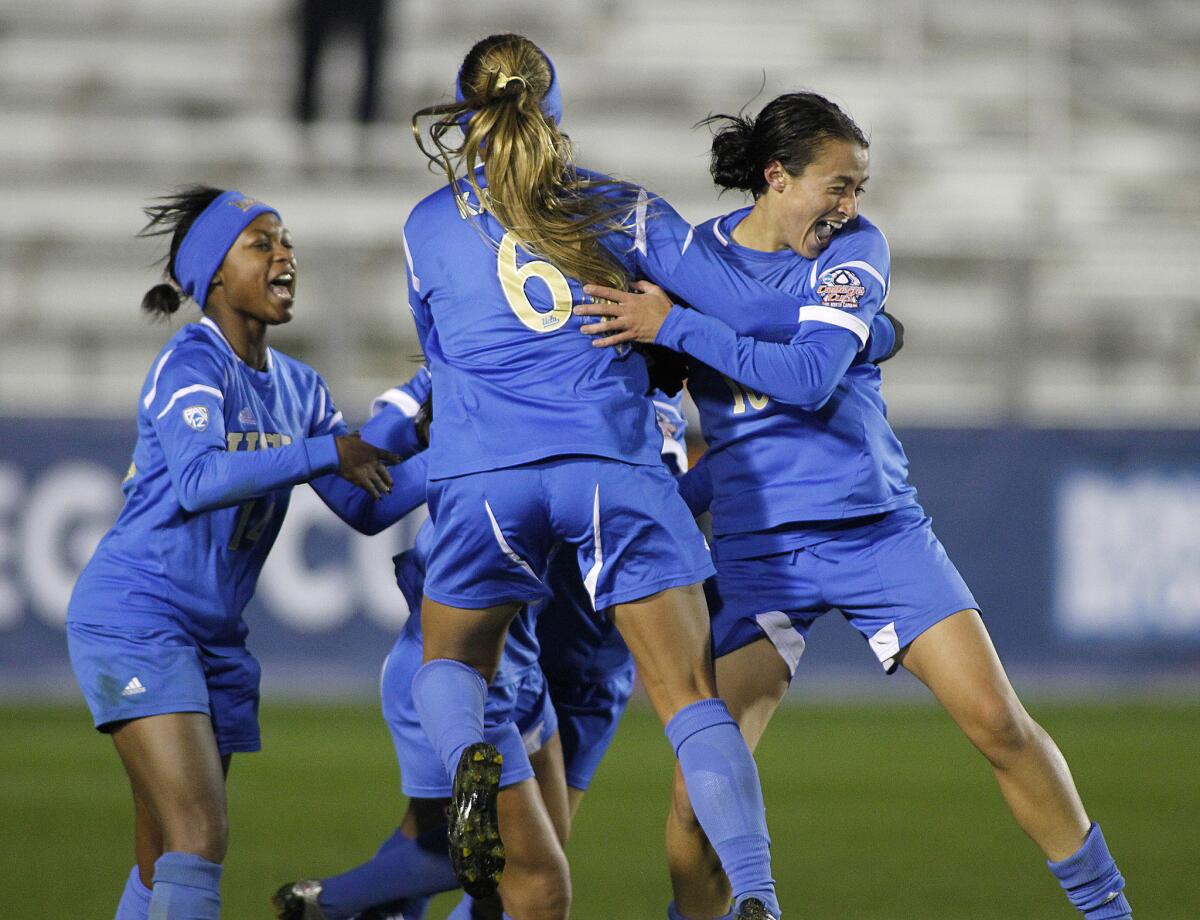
(366,21)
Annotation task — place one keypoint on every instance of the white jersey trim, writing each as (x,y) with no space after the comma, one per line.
(154,384)
(886,646)
(640,222)
(835,317)
(593,576)
(194,388)
(332,422)
(687,240)
(716,228)
(672,448)
(207,321)
(777,626)
(508,551)
(398,398)
(408,258)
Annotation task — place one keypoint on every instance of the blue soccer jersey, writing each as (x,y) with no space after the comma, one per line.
(796,424)
(514,381)
(219,447)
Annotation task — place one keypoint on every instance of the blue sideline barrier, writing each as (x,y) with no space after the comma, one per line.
(1082,547)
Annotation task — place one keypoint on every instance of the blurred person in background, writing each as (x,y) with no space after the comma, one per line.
(320,23)
(322,20)
(812,508)
(226,427)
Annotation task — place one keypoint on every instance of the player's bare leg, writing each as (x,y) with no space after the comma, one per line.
(536,884)
(551,774)
(957,661)
(752,681)
(668,635)
(474,637)
(178,780)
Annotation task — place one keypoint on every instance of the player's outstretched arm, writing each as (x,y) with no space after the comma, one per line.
(367,514)
(803,372)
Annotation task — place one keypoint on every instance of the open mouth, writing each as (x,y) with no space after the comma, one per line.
(283,285)
(825,229)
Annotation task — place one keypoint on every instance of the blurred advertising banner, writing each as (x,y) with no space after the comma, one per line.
(1082,547)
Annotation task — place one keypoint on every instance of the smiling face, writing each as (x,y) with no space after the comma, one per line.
(805,211)
(257,278)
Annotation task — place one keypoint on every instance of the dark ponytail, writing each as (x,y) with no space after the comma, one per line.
(791,129)
(733,158)
(162,300)
(173,214)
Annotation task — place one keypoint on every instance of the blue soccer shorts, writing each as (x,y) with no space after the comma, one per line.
(131,673)
(588,713)
(494,531)
(518,720)
(890,577)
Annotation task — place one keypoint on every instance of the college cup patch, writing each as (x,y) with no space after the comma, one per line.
(196,417)
(840,288)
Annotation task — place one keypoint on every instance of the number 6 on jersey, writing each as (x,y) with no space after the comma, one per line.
(512,280)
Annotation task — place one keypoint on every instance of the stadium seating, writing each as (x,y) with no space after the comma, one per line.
(1036,173)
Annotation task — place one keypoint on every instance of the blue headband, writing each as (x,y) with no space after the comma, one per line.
(551,102)
(209,238)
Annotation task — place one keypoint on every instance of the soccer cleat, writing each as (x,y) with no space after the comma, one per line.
(299,901)
(476,851)
(754,909)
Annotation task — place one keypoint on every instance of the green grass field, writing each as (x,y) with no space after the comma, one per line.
(876,812)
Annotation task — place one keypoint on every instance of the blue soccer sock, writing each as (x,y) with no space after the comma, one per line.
(186,887)
(674,914)
(449,698)
(135,899)
(1092,881)
(722,783)
(403,868)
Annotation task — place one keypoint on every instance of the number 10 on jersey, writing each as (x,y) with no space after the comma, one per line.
(742,396)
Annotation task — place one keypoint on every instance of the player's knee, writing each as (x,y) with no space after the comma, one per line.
(197,829)
(544,892)
(1001,728)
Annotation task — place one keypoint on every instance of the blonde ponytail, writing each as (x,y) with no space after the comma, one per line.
(533,187)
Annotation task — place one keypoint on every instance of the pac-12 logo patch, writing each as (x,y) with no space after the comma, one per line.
(196,417)
(840,288)
(246,417)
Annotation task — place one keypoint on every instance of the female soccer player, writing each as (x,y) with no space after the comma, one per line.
(537,440)
(558,738)
(226,426)
(811,504)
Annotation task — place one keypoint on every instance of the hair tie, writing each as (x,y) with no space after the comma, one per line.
(551,104)
(209,238)
(503,79)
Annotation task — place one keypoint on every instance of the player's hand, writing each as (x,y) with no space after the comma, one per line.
(629,316)
(365,465)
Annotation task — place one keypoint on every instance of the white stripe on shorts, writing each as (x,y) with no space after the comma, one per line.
(593,575)
(886,646)
(789,643)
(504,547)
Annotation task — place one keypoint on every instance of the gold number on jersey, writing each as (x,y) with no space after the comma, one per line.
(742,395)
(512,280)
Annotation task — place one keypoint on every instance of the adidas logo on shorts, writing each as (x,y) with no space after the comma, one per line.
(133,688)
